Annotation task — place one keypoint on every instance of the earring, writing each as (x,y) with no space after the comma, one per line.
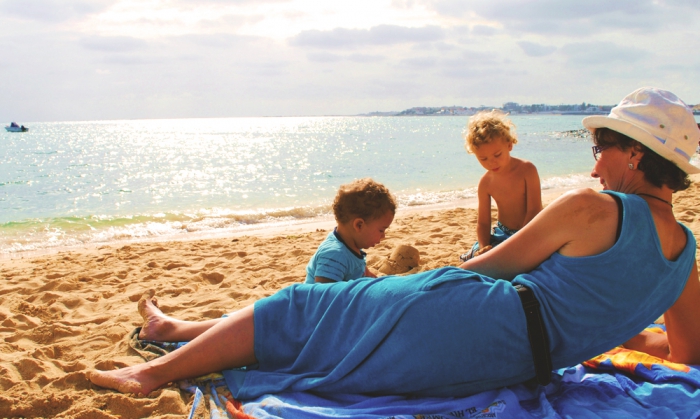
(631,166)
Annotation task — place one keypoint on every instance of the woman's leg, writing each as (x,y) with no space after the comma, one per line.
(226,344)
(161,328)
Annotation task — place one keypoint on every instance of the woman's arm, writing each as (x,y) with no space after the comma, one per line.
(483,217)
(579,223)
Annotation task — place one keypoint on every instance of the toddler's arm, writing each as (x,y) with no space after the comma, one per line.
(483,218)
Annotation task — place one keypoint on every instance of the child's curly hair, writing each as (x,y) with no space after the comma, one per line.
(362,198)
(484,126)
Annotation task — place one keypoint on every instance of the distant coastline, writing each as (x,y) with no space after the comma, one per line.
(510,107)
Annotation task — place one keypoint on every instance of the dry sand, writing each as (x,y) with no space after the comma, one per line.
(65,313)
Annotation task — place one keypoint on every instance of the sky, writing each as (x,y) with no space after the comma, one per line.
(74,60)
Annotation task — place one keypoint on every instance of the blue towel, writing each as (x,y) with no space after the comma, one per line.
(620,383)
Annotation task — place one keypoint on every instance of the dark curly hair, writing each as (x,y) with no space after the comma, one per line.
(657,170)
(362,198)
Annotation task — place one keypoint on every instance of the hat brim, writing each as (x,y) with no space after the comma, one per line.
(639,134)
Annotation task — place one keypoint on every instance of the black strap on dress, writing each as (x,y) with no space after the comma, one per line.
(536,334)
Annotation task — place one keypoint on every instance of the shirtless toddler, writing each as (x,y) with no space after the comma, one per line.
(512,182)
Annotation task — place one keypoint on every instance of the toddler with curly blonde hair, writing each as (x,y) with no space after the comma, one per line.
(512,182)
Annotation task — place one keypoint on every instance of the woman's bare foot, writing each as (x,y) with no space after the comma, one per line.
(161,328)
(126,380)
(156,325)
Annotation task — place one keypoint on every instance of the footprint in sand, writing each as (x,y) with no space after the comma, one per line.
(212,277)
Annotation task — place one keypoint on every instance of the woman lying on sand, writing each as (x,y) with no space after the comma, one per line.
(601,266)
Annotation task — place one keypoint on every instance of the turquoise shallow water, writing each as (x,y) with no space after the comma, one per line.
(67,183)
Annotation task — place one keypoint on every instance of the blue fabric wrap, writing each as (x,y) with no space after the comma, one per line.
(391,335)
(451,332)
(333,260)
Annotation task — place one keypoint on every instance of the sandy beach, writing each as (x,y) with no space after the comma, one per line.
(64,313)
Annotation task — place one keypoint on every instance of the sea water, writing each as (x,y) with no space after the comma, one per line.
(71,183)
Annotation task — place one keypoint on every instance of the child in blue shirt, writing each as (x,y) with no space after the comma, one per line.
(363,210)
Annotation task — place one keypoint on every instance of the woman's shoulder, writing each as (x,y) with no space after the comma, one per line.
(583,197)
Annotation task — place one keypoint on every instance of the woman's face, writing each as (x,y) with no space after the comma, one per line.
(612,169)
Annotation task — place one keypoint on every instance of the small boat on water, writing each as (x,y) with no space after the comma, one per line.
(13,127)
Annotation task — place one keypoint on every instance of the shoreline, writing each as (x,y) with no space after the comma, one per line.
(271,229)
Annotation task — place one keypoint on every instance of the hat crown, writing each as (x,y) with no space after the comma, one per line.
(662,114)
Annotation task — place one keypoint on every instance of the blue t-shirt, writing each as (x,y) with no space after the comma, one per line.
(335,261)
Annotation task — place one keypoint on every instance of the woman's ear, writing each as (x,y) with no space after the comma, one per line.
(636,154)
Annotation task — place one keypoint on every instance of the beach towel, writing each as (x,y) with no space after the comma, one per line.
(620,383)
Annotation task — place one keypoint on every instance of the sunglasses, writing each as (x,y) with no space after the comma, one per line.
(597,150)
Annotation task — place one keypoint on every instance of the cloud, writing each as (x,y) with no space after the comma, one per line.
(595,53)
(365,58)
(112,43)
(483,30)
(197,3)
(328,57)
(568,18)
(378,35)
(419,62)
(682,3)
(323,57)
(53,10)
(533,49)
(472,64)
(219,40)
(540,10)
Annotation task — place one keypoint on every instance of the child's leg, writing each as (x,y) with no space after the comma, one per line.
(226,344)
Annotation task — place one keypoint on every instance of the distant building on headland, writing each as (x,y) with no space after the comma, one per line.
(577,109)
(509,107)
(443,110)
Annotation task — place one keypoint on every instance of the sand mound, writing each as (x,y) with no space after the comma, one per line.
(403,259)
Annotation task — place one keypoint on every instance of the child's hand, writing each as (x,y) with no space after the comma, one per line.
(482,250)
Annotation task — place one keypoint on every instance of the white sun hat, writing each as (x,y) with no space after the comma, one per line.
(659,120)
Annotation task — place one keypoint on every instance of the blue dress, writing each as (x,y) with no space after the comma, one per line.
(451,332)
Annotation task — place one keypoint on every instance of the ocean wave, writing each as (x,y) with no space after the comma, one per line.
(568,181)
(432,198)
(41,234)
